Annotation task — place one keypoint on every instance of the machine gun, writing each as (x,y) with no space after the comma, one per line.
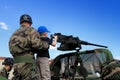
(72,43)
(69,43)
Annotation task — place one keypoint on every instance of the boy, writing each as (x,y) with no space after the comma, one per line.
(43,55)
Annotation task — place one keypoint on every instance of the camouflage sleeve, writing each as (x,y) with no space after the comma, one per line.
(36,42)
(3,73)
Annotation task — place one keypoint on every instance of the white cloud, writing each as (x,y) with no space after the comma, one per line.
(3,26)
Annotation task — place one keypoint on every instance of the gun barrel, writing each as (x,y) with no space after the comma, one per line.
(87,43)
(74,40)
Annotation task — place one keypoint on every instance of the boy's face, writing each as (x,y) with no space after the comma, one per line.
(7,67)
(45,34)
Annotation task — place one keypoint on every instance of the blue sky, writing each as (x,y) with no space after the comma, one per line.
(96,21)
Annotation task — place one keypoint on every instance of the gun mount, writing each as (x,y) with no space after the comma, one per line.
(83,65)
(72,43)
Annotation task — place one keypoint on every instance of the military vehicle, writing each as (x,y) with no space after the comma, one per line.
(80,65)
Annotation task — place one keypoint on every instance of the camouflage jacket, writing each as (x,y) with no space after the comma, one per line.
(4,73)
(26,39)
(111,70)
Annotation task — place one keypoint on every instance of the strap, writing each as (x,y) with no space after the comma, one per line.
(26,59)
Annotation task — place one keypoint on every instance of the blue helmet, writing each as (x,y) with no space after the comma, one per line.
(42,29)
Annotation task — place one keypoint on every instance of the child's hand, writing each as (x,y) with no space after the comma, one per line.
(56,37)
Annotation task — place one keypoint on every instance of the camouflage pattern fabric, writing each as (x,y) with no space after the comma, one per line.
(25,71)
(22,45)
(111,71)
(25,39)
(4,73)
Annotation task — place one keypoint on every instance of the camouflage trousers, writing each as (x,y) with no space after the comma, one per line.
(25,71)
